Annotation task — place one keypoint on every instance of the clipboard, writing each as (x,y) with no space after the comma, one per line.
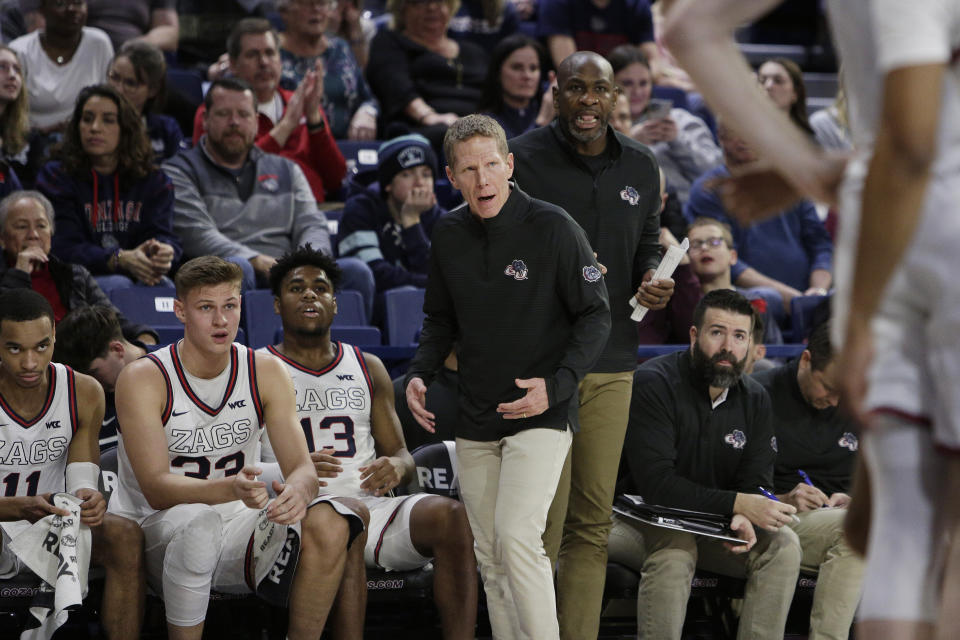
(711,525)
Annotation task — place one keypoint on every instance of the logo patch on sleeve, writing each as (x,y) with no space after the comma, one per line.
(591,273)
(517,270)
(630,195)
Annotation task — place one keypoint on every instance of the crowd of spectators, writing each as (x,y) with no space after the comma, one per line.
(123,188)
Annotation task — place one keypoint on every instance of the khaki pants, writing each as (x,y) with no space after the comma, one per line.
(667,560)
(839,569)
(579,520)
(507,486)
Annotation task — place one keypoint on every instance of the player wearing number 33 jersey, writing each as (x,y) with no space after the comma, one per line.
(212,427)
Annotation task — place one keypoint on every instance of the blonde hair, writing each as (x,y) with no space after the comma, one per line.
(468,127)
(395,7)
(206,271)
(14,122)
(713,222)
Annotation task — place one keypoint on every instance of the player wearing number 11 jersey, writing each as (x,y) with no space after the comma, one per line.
(345,406)
(49,421)
(190,417)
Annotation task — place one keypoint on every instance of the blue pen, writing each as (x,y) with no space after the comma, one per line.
(806,478)
(773,497)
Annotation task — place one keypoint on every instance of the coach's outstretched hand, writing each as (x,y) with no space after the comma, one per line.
(417,403)
(246,487)
(534,402)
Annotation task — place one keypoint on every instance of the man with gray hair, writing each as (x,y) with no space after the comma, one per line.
(26,227)
(514,284)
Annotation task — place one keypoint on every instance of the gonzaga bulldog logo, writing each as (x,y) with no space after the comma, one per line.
(517,270)
(591,273)
(736,439)
(849,441)
(630,195)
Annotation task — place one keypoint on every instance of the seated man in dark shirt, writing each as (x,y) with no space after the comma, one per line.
(700,437)
(89,340)
(817,439)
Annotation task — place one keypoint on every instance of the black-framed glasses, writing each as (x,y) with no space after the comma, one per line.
(63,4)
(699,245)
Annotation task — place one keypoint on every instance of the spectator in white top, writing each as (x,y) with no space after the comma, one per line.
(60,60)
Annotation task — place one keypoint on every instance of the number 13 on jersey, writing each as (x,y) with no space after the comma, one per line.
(342,429)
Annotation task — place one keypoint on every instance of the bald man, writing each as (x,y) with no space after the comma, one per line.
(610,184)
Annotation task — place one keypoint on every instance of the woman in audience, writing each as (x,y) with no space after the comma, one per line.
(13,117)
(347,99)
(782,79)
(682,142)
(113,207)
(511,92)
(424,79)
(139,74)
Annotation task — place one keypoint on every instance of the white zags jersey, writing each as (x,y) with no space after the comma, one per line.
(333,406)
(33,452)
(203,441)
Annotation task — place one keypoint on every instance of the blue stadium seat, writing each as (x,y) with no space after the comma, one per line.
(187,82)
(404,315)
(350,309)
(359,335)
(259,320)
(802,312)
(152,306)
(360,155)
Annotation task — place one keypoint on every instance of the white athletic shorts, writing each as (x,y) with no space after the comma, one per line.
(235,570)
(916,332)
(388,539)
(10,564)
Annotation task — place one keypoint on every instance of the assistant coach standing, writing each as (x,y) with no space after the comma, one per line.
(610,185)
(514,284)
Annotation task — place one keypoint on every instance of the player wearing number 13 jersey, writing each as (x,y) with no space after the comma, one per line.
(189,418)
(344,401)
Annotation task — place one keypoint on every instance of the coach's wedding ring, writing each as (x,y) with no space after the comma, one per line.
(523,415)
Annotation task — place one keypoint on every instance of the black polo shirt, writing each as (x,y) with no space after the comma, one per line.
(683,452)
(822,442)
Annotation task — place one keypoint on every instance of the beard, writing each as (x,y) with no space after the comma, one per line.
(568,124)
(230,147)
(715,375)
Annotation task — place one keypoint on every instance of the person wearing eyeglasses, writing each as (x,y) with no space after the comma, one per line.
(705,268)
(306,45)
(291,124)
(786,256)
(139,73)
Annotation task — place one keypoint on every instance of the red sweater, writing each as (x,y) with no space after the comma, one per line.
(316,153)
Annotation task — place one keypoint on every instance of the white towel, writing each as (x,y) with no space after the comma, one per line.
(56,548)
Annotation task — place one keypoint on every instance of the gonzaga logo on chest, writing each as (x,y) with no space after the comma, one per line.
(517,270)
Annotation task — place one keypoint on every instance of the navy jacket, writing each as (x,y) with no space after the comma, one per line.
(97,214)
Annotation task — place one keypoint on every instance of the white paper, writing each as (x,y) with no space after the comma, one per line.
(665,269)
